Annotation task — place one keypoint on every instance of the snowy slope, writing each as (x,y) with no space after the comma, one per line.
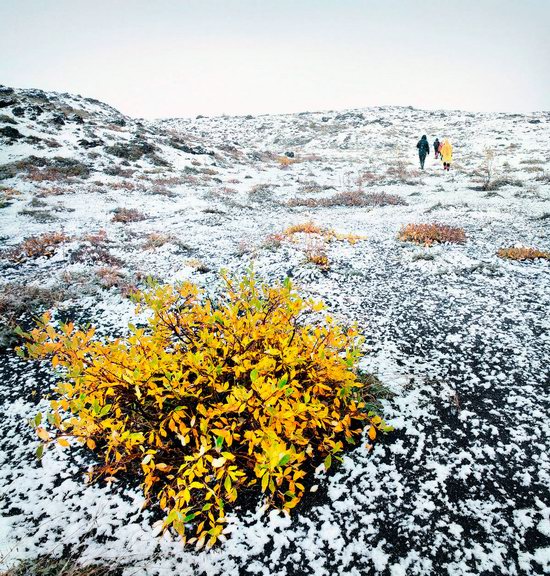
(460,335)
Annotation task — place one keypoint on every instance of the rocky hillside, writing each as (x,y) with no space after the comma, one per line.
(93,202)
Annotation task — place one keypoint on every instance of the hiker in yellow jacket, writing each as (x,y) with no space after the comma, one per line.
(446,152)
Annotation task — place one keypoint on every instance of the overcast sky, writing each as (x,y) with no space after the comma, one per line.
(160,58)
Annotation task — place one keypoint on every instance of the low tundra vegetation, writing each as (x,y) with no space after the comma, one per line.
(429,234)
(351,198)
(314,240)
(212,397)
(36,247)
(126,215)
(522,253)
(326,234)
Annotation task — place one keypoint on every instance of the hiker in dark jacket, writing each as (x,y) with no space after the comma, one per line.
(437,144)
(423,150)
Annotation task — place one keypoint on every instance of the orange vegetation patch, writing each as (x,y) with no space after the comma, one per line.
(326,233)
(432,233)
(36,246)
(522,254)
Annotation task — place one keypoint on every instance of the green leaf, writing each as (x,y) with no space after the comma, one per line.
(282,381)
(254,375)
(171,517)
(219,441)
(284,460)
(265,482)
(105,409)
(40,451)
(328,462)
(38,419)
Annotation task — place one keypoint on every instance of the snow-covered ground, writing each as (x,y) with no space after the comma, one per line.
(459,335)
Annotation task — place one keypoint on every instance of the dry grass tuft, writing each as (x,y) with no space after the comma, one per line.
(198,265)
(47,565)
(432,233)
(156,240)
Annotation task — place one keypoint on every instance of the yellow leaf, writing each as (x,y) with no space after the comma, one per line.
(43,434)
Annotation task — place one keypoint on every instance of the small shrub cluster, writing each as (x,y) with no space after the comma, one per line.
(211,398)
(94,250)
(316,254)
(156,240)
(312,187)
(123,185)
(131,151)
(432,233)
(522,253)
(399,172)
(353,198)
(285,161)
(53,190)
(113,277)
(7,194)
(316,241)
(94,254)
(303,228)
(261,191)
(42,216)
(327,234)
(36,247)
(487,174)
(126,215)
(40,169)
(56,169)
(158,190)
(274,241)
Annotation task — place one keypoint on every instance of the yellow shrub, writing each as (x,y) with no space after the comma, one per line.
(210,397)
